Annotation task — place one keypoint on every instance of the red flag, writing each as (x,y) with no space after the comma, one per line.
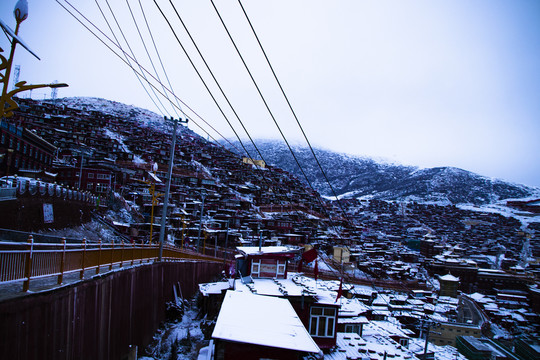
(309,255)
(340,290)
(316,270)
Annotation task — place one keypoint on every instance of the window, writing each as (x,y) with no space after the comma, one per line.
(281,267)
(90,186)
(404,342)
(255,268)
(90,175)
(322,321)
(102,176)
(352,329)
(101,188)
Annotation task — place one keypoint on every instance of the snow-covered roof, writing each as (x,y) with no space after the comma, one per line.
(352,346)
(353,320)
(213,288)
(271,287)
(352,307)
(262,320)
(254,250)
(448,277)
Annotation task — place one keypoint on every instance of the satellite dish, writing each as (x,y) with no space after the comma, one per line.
(16,38)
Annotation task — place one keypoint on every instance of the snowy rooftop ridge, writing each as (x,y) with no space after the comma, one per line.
(255,250)
(262,320)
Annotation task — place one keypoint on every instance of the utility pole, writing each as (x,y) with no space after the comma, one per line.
(429,325)
(203,195)
(226,240)
(168,185)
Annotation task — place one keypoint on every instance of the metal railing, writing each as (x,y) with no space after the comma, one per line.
(27,261)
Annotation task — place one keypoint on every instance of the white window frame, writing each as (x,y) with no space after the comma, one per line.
(281,267)
(256,268)
(325,318)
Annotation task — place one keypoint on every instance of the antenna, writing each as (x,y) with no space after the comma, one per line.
(54,91)
(16,73)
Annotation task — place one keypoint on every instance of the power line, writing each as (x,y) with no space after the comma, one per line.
(200,76)
(266,105)
(290,106)
(134,57)
(148,53)
(127,59)
(159,56)
(143,69)
(219,87)
(223,93)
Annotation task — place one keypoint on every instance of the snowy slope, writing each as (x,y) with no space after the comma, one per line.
(367,178)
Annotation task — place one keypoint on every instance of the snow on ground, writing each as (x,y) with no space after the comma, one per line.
(92,231)
(177,340)
(114,136)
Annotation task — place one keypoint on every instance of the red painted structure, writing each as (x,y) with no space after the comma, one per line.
(98,318)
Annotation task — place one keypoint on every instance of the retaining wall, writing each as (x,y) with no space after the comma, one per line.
(98,318)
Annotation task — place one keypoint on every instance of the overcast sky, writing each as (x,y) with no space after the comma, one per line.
(426,83)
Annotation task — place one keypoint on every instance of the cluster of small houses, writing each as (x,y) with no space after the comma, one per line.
(220,200)
(260,307)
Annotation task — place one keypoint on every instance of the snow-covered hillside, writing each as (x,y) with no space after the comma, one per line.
(366,178)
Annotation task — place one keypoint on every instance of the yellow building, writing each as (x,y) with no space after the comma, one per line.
(446,333)
(259,163)
(341,254)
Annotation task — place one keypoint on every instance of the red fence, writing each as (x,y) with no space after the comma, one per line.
(31,261)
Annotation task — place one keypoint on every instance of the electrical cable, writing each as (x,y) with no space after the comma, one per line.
(222,92)
(134,57)
(201,78)
(290,107)
(261,95)
(127,59)
(266,104)
(148,54)
(129,65)
(159,57)
(218,85)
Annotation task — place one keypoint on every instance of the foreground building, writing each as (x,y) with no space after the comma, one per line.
(251,326)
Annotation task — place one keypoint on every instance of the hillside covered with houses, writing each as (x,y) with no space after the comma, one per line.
(348,279)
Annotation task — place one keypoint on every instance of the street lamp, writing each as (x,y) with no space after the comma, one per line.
(7,104)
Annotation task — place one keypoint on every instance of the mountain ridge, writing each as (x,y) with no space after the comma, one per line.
(365,178)
(351,176)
